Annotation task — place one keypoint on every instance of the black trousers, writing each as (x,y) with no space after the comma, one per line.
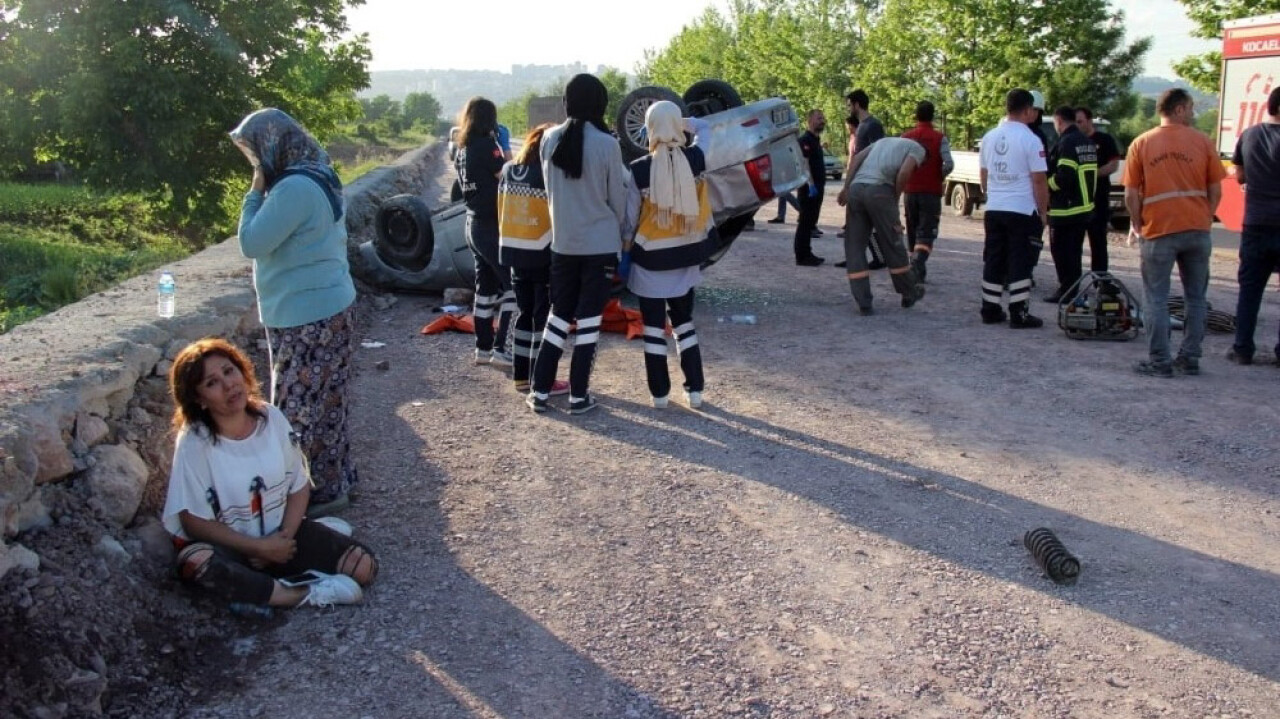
(1066,243)
(579,291)
(493,283)
(1008,254)
(806,223)
(532,287)
(655,311)
(227,573)
(924,210)
(1098,258)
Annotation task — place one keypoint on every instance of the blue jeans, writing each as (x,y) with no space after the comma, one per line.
(1190,251)
(1259,257)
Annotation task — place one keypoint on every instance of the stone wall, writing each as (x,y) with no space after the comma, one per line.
(83,398)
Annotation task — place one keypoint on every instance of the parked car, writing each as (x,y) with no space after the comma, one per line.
(834,166)
(753,155)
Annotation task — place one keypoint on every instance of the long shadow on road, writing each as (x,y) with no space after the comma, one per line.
(1218,608)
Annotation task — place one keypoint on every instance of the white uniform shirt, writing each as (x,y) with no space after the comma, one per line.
(1010,153)
(248,479)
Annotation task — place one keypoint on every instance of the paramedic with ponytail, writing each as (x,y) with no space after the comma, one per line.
(524,245)
(675,234)
(587,192)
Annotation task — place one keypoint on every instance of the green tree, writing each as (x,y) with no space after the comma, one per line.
(616,82)
(140,95)
(376,107)
(1205,71)
(421,108)
(964,55)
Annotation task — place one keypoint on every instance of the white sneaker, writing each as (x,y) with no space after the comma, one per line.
(337,524)
(500,359)
(483,357)
(333,589)
(695,399)
(659,402)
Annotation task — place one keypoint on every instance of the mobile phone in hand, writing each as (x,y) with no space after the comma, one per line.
(302,579)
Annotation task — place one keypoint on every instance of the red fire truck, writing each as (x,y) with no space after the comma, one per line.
(1250,68)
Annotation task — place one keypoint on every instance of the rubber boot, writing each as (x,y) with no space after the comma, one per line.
(860,288)
(908,285)
(1021,319)
(992,313)
(918,261)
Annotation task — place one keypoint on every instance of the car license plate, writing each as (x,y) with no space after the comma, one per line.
(781,116)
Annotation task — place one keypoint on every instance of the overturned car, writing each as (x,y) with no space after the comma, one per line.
(753,155)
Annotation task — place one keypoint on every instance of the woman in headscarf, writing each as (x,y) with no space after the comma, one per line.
(674,236)
(292,227)
(478,162)
(587,193)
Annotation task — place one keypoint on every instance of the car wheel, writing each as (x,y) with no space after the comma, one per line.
(405,239)
(836,175)
(710,96)
(632,136)
(961,203)
(1120,224)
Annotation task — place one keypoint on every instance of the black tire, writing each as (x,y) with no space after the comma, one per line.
(1120,224)
(630,120)
(837,175)
(405,239)
(961,203)
(710,96)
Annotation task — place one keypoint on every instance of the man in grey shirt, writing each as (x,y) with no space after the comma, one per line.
(869,131)
(875,180)
(587,193)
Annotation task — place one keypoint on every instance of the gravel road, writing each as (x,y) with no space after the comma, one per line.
(837,533)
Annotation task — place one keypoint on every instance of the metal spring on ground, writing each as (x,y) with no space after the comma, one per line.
(1052,556)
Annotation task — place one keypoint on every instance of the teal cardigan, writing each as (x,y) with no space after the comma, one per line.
(299,253)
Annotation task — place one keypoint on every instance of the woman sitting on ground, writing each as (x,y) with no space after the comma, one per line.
(238,492)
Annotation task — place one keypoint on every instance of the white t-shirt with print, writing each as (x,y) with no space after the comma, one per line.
(1010,153)
(249,480)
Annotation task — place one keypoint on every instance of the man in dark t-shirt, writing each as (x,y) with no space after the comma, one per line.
(1257,162)
(811,196)
(1108,160)
(869,130)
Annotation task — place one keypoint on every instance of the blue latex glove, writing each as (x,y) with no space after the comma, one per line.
(813,190)
(504,138)
(624,265)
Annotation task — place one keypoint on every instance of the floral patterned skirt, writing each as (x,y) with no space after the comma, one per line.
(310,376)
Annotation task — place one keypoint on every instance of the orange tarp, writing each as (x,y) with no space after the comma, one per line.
(616,318)
(457,323)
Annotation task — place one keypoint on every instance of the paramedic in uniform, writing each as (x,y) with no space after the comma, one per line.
(1012,176)
(1172,185)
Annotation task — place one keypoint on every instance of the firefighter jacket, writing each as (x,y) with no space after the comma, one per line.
(668,243)
(1073,176)
(524,219)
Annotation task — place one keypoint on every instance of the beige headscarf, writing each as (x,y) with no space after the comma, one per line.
(671,187)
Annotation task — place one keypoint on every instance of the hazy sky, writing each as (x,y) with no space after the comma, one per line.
(411,34)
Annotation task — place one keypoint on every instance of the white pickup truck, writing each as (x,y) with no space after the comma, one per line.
(964,189)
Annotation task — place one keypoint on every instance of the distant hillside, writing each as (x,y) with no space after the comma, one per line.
(454,87)
(1153,86)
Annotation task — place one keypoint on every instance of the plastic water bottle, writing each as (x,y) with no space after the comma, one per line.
(168,291)
(245,610)
(740,319)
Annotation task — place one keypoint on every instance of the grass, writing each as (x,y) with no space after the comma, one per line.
(60,243)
